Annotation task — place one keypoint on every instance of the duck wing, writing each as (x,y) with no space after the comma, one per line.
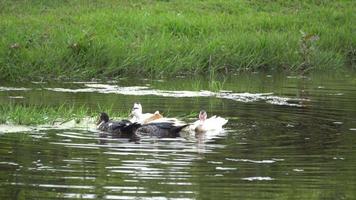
(131,127)
(162,129)
(116,125)
(129,131)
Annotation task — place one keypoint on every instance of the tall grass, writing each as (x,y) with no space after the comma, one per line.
(35,114)
(106,38)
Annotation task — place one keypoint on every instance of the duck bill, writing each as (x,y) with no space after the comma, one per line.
(98,122)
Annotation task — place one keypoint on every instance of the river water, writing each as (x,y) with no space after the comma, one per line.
(288,137)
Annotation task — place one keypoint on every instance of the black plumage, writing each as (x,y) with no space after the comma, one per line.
(121,128)
(127,129)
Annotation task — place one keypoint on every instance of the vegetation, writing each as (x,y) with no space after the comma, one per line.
(82,39)
(34,114)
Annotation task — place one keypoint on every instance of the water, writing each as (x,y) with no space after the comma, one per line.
(287,138)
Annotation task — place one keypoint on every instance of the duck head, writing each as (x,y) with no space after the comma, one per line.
(203,115)
(104,118)
(136,110)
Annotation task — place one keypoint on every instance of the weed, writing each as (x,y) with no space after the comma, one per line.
(307,49)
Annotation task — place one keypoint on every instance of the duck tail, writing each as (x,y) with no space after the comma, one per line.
(178,129)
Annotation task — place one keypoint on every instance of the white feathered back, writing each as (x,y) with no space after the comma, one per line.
(143,118)
(213,123)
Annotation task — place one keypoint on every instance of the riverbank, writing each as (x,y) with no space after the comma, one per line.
(97,39)
(18,114)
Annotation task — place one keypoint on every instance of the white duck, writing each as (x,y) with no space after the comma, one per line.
(204,124)
(142,118)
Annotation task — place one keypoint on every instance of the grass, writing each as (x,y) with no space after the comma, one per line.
(82,39)
(37,114)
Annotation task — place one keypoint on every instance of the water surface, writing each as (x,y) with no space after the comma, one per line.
(288,137)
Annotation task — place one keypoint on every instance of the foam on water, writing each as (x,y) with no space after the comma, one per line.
(258,178)
(16,97)
(14,89)
(145,90)
(8,128)
(252,161)
(87,123)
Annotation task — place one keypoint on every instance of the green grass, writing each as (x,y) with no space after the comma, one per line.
(82,39)
(34,114)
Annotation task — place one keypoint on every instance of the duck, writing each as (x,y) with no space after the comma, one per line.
(134,130)
(121,128)
(143,118)
(205,124)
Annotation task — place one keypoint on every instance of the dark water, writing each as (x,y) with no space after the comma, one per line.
(296,141)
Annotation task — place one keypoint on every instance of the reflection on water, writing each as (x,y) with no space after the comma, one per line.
(267,151)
